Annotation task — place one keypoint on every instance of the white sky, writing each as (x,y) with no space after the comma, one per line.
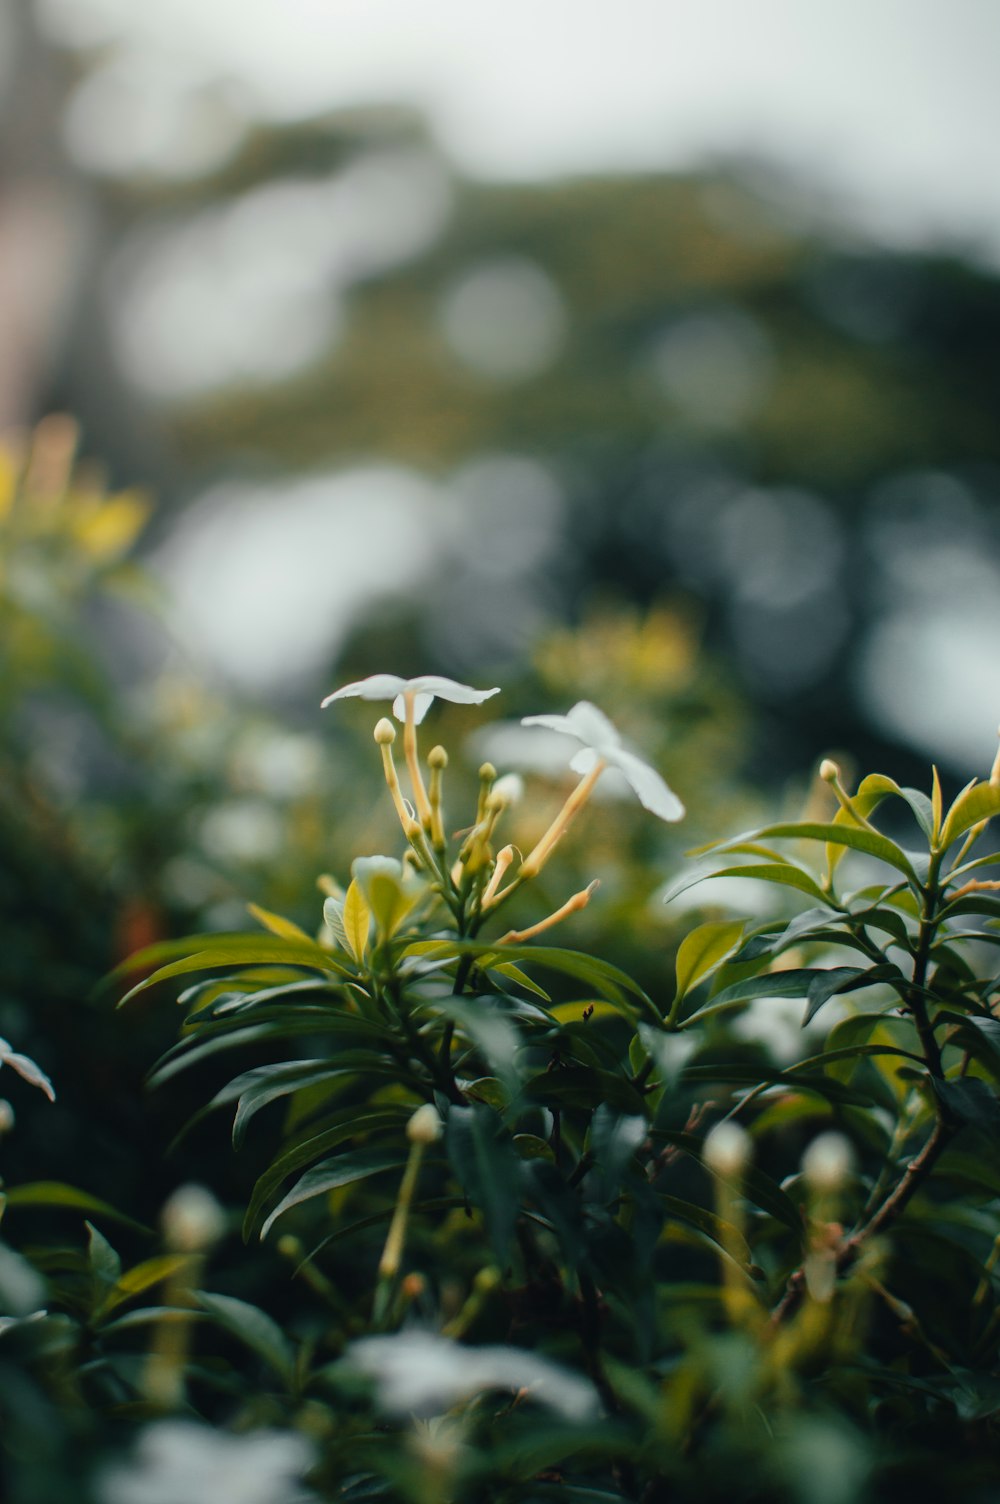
(894,104)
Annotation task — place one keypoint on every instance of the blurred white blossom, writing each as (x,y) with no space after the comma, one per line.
(602,743)
(180,1462)
(422,1372)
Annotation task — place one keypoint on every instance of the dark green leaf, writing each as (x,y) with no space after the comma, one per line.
(344,1169)
(105,1265)
(722,1233)
(55,1193)
(488,1168)
(350,1123)
(583,1086)
(971,1102)
(260,1332)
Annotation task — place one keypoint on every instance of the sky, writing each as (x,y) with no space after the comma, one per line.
(891,105)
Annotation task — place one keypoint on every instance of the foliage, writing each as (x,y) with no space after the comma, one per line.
(556,1236)
(520,1219)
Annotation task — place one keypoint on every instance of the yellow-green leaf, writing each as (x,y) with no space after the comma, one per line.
(278,925)
(979,801)
(704,949)
(357,921)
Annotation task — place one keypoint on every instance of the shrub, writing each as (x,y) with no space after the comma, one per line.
(558,1238)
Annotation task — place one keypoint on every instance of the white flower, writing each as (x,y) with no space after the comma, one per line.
(27,1069)
(424,689)
(419,1371)
(602,744)
(180,1462)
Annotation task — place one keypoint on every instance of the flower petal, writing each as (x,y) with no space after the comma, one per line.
(584,760)
(584,722)
(375,687)
(561,723)
(450,689)
(592,727)
(421,704)
(650,788)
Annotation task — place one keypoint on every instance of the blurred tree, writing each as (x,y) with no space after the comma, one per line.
(732,393)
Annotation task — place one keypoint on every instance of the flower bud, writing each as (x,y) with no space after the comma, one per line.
(827,1162)
(437,757)
(487,773)
(192,1220)
(385,732)
(726,1149)
(425,1126)
(829,771)
(507,790)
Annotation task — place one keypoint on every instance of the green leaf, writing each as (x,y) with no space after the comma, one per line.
(55,1193)
(488,1167)
(243,950)
(491,1031)
(105,1265)
(344,1125)
(857,837)
(257,1088)
(795,982)
(142,1277)
(530,1146)
(980,801)
(583,1086)
(723,1234)
(877,786)
(785,874)
(278,925)
(356,918)
(344,1169)
(981,1036)
(255,1328)
(515,974)
(701,951)
(971,1102)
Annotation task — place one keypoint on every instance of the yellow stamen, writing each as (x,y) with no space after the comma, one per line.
(571,906)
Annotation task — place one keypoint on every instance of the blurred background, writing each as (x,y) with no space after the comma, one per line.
(645,352)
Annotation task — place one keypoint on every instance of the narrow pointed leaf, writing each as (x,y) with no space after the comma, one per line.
(245,950)
(255,1328)
(345,1169)
(279,925)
